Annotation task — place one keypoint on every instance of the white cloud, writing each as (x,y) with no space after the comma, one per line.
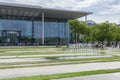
(89,3)
(67,4)
(99,19)
(113,9)
(100,7)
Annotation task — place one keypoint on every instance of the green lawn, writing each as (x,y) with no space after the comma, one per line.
(67,75)
(17,51)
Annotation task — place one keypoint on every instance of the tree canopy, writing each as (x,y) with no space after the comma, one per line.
(99,32)
(77,28)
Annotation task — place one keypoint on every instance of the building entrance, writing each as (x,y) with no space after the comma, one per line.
(10,36)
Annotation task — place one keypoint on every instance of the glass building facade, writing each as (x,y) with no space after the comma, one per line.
(23,31)
(31,24)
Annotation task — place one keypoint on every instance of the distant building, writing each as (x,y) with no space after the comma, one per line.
(118,24)
(90,23)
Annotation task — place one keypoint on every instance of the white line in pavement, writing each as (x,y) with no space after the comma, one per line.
(21,72)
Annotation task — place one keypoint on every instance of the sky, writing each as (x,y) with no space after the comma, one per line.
(103,10)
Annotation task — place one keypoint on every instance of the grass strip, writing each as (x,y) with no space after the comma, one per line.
(57,62)
(66,75)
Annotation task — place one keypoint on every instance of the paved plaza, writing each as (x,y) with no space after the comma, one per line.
(113,76)
(45,70)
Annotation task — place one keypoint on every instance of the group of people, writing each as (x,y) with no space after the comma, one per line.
(19,44)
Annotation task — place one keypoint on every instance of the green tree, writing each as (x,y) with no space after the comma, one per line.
(117,34)
(88,37)
(77,28)
(104,32)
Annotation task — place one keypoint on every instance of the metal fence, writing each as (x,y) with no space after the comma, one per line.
(91,49)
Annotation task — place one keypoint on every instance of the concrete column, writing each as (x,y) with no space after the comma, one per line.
(85,18)
(43,28)
(32,29)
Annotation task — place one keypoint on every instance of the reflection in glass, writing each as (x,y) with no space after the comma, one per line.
(21,31)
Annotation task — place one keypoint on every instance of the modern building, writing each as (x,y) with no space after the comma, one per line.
(35,24)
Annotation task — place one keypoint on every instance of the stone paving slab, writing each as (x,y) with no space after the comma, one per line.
(113,76)
(45,70)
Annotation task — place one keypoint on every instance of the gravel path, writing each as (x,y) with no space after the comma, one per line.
(113,76)
(21,72)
